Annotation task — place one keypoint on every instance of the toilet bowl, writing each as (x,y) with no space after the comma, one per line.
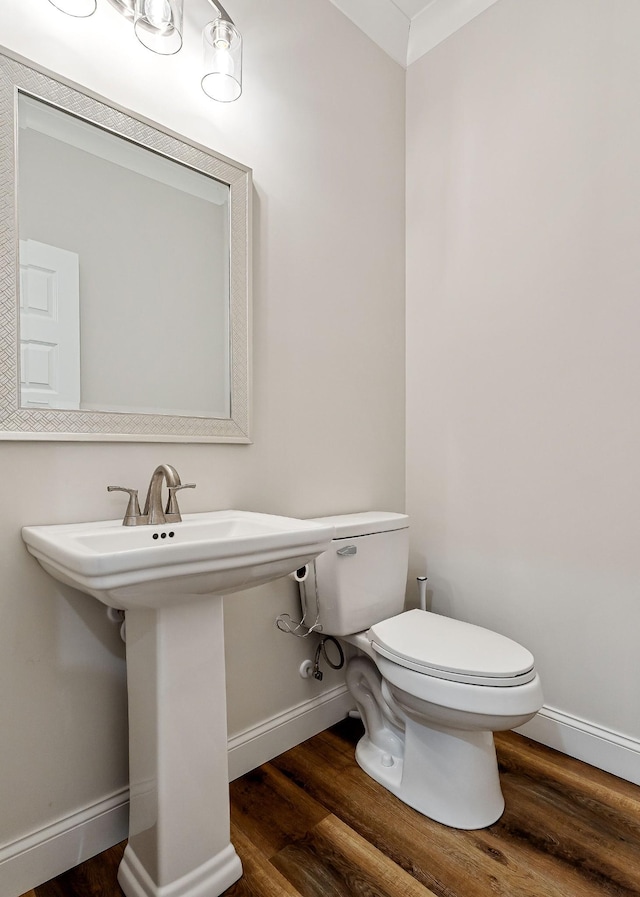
(430,690)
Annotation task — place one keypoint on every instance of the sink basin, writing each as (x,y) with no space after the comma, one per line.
(213,553)
(170,580)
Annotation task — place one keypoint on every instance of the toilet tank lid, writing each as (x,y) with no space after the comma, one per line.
(364,523)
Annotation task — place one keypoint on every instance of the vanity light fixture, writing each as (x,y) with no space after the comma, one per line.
(126,7)
(78,8)
(158,26)
(222,79)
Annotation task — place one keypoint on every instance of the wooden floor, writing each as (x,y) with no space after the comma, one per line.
(312,824)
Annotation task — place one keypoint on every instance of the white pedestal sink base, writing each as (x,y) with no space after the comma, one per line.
(169,580)
(212,877)
(179,807)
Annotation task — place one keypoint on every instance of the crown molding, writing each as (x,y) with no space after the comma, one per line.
(438,21)
(404,39)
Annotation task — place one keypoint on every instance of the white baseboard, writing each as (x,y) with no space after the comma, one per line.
(603,748)
(47,852)
(256,745)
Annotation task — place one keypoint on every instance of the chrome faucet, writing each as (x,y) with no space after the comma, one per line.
(154,512)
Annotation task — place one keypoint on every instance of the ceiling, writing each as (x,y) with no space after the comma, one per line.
(407,29)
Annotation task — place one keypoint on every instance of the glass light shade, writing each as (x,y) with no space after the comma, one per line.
(222,79)
(125,7)
(79,8)
(158,25)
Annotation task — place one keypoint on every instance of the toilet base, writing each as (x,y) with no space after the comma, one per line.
(449,775)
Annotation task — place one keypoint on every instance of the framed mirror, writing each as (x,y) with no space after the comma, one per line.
(125,294)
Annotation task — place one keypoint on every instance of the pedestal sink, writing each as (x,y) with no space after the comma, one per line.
(170,579)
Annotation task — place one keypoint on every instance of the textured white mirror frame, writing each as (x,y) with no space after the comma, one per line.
(20,423)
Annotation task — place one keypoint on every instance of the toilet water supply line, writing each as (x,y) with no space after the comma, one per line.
(301,629)
(321,650)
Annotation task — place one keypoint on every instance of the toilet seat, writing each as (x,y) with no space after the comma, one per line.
(444,648)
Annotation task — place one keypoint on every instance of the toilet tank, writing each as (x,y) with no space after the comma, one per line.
(361,578)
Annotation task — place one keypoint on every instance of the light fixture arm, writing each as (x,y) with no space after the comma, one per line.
(223,12)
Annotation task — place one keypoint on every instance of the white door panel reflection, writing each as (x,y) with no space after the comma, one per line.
(49,326)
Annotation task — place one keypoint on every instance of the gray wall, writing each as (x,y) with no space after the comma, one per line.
(523,279)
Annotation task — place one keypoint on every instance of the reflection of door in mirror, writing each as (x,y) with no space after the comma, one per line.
(49,326)
(152,237)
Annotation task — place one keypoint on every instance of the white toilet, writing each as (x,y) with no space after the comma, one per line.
(430,690)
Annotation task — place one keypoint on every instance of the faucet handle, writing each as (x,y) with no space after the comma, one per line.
(132,514)
(172,504)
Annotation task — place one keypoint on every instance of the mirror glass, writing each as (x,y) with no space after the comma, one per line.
(124,273)
(129,314)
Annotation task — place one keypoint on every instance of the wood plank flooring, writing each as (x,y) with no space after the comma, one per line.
(311,824)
